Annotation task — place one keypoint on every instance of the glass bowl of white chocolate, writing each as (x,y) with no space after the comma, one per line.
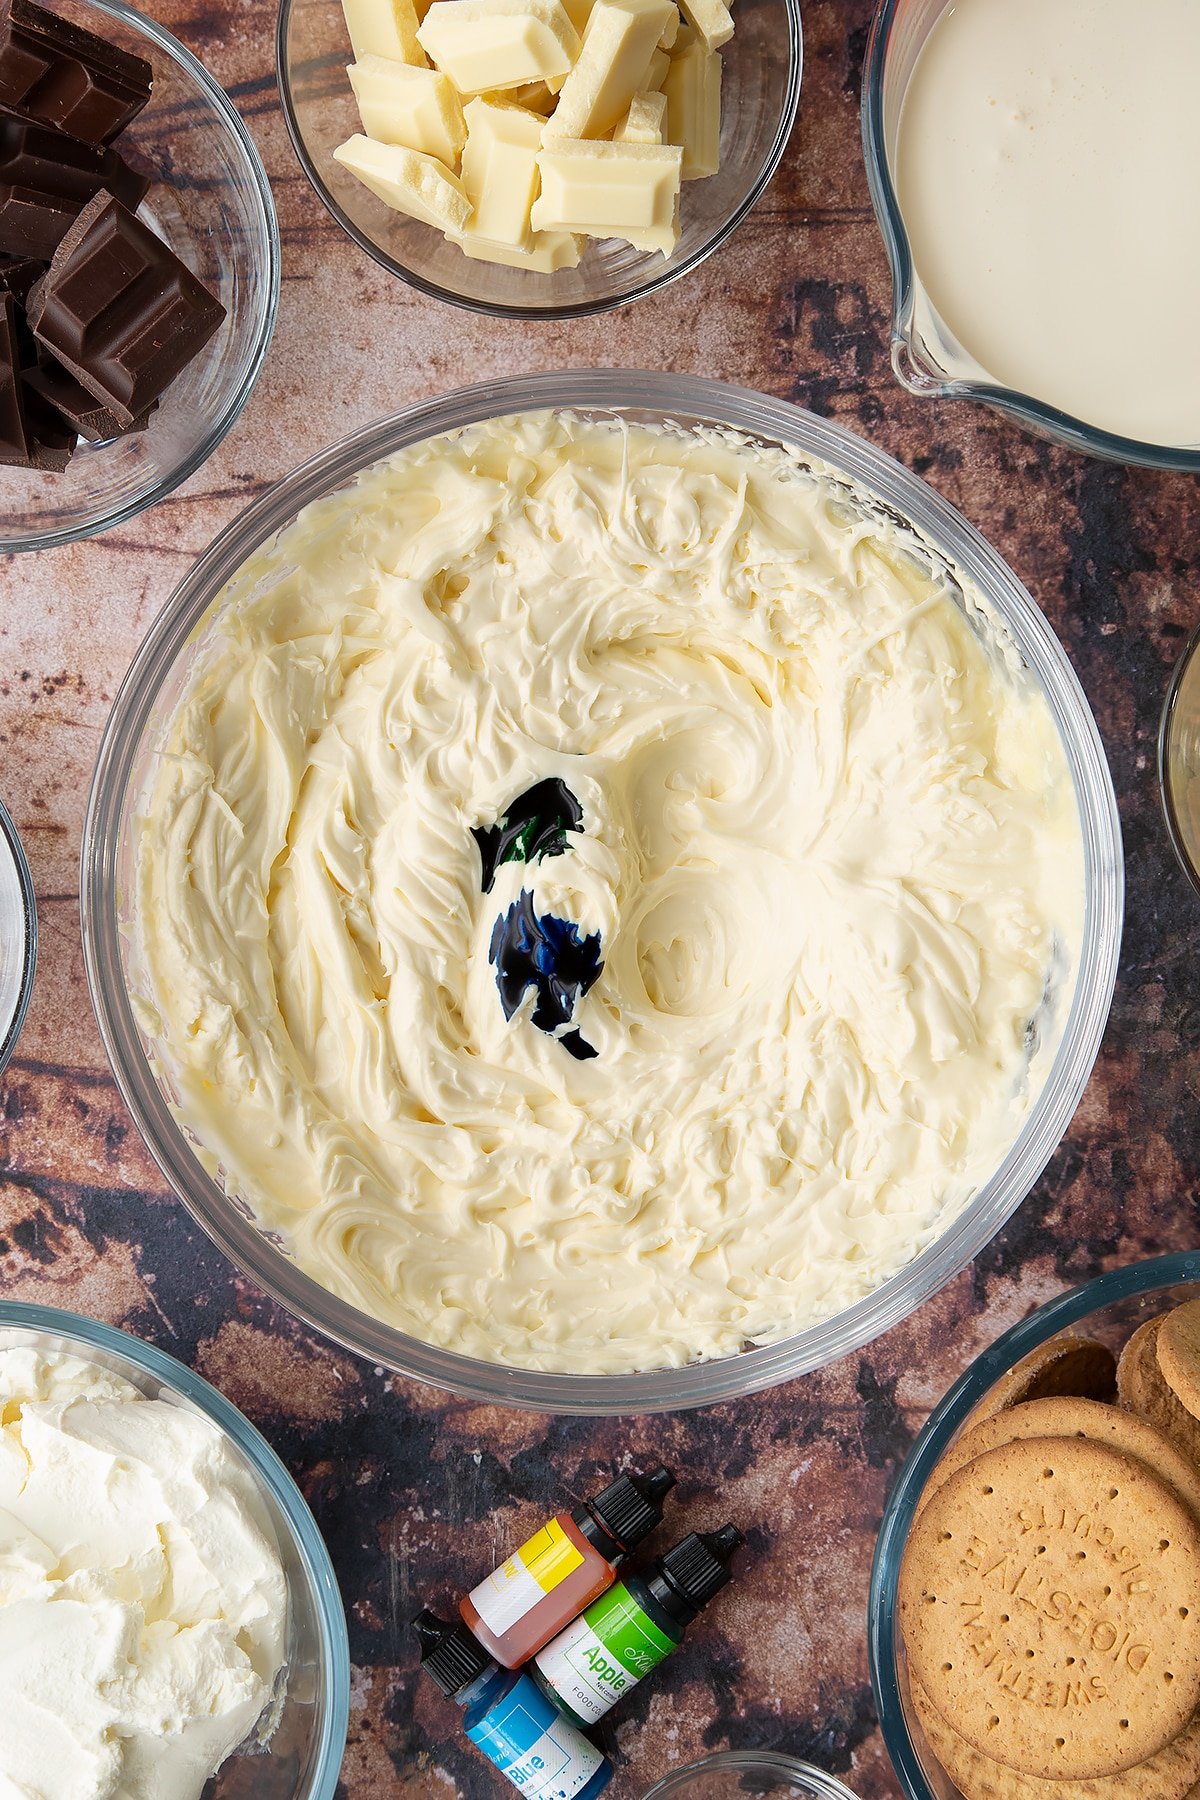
(170,1622)
(539,158)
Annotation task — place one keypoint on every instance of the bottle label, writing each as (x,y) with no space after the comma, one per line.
(604,1654)
(530,1742)
(518,1585)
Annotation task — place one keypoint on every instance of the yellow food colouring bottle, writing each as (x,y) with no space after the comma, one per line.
(569,1563)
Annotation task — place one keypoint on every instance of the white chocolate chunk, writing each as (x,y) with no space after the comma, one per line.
(711,18)
(656,74)
(534,95)
(548,251)
(384,28)
(645,122)
(693,89)
(670,35)
(609,190)
(500,171)
(418,108)
(408,182)
(665,238)
(485,45)
(621,38)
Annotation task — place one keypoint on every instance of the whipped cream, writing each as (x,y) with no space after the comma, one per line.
(143,1607)
(830,844)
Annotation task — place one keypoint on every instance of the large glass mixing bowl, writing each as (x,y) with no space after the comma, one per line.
(155,682)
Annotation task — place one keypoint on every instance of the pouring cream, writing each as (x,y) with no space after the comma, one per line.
(1046,169)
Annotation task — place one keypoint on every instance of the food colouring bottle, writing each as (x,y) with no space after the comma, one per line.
(518,1729)
(635,1626)
(569,1563)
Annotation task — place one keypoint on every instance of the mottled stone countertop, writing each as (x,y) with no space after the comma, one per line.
(416,1491)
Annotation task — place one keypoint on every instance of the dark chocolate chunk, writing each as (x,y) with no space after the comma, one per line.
(15,449)
(119,309)
(88,417)
(63,75)
(18,274)
(52,440)
(47,178)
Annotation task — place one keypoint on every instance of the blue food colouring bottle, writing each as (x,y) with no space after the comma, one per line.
(509,1718)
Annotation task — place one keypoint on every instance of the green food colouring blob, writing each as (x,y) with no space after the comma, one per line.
(624,1635)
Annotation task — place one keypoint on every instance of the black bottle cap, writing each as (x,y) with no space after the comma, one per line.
(449,1654)
(698,1568)
(630,1508)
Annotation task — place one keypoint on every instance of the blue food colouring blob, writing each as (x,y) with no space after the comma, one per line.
(531,949)
(509,1719)
(536,950)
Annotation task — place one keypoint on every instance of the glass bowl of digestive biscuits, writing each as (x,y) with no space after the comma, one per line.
(548,194)
(139,268)
(1033,1627)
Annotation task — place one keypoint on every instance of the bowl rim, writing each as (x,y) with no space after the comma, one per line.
(578,309)
(1154,1275)
(698,1384)
(268,284)
(12,843)
(310,1546)
(821,1785)
(909,369)
(1165,787)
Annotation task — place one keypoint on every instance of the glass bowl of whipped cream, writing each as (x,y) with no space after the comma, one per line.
(1105,1311)
(602,892)
(196,1642)
(1024,163)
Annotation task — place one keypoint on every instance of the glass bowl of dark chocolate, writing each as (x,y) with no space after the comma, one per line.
(139,267)
(760,95)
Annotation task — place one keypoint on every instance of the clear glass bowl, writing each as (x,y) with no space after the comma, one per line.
(1179,760)
(1110,1309)
(925,356)
(739,1774)
(304,1755)
(18,937)
(155,681)
(220,219)
(760,95)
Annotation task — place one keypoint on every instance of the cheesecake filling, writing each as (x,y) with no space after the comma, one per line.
(606,895)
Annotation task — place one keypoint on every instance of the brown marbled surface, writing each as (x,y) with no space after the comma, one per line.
(416,1493)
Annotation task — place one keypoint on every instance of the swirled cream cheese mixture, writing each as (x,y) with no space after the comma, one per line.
(604,898)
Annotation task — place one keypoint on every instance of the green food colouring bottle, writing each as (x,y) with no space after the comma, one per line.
(595,1662)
